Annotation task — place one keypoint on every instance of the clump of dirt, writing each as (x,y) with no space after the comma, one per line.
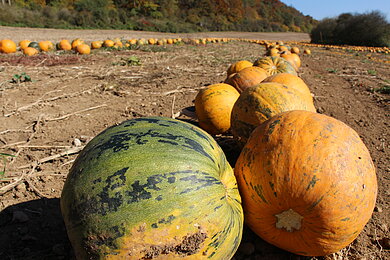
(190,245)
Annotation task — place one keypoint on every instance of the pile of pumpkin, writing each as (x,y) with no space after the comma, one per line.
(161,188)
(31,48)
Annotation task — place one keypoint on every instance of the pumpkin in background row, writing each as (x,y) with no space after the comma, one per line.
(237,66)
(307,182)
(152,188)
(291,81)
(96,44)
(246,78)
(30,51)
(76,42)
(83,49)
(274,65)
(7,46)
(259,103)
(293,58)
(213,107)
(46,46)
(64,45)
(24,44)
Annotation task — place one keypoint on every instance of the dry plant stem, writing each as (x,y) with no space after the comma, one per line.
(21,179)
(35,129)
(52,157)
(41,100)
(173,107)
(74,113)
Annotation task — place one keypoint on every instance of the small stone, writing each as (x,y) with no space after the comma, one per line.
(378,209)
(19,194)
(320,110)
(19,216)
(77,142)
(21,187)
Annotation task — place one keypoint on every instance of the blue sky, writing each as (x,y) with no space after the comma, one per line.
(320,9)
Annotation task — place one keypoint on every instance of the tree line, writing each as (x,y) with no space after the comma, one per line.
(157,15)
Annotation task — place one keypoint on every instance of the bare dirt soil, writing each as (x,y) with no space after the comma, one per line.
(45,122)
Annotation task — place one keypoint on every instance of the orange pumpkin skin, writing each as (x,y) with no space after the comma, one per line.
(30,51)
(64,45)
(96,44)
(239,65)
(76,42)
(307,182)
(46,45)
(274,65)
(293,58)
(259,103)
(83,49)
(24,44)
(213,106)
(7,46)
(295,50)
(246,78)
(291,81)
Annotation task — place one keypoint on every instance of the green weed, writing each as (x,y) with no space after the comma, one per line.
(129,61)
(372,72)
(19,78)
(4,156)
(331,70)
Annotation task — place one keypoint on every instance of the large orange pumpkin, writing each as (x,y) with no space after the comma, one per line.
(291,81)
(213,106)
(259,103)
(24,44)
(307,182)
(76,42)
(96,44)
(65,45)
(83,49)
(293,58)
(30,51)
(46,45)
(246,78)
(274,65)
(238,65)
(7,46)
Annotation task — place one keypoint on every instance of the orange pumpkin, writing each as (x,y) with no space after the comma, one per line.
(307,182)
(259,103)
(83,49)
(108,43)
(295,50)
(46,46)
(293,58)
(213,107)
(307,51)
(64,45)
(274,52)
(246,78)
(274,65)
(96,44)
(76,42)
(291,81)
(238,65)
(7,46)
(24,44)
(30,51)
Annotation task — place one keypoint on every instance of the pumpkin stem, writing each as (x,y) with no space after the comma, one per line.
(289,220)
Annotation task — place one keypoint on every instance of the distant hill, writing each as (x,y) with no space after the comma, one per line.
(157,15)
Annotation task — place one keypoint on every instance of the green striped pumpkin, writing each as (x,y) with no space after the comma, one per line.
(152,187)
